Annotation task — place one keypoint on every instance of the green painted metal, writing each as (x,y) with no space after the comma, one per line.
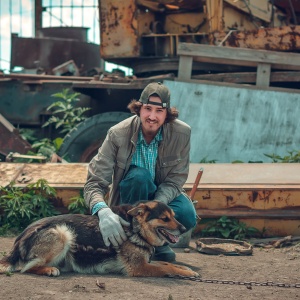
(25,102)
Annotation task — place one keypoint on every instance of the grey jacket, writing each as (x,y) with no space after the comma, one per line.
(113,159)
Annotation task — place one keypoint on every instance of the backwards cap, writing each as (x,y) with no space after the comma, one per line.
(159,89)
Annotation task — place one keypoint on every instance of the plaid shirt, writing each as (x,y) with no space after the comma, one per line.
(145,154)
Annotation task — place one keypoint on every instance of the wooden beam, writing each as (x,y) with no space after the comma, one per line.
(249,77)
(263,75)
(185,67)
(239,56)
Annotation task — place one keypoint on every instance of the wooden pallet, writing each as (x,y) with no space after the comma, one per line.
(263,60)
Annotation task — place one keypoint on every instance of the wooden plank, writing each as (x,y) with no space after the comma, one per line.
(239,56)
(261,9)
(246,174)
(249,77)
(283,214)
(218,176)
(185,67)
(45,77)
(6,124)
(263,75)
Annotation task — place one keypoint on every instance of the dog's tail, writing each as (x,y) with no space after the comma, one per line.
(19,252)
(38,245)
(10,262)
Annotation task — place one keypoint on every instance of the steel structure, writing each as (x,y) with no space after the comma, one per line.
(28,18)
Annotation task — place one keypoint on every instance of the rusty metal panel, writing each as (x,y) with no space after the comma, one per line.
(187,22)
(284,38)
(237,20)
(276,227)
(269,228)
(75,33)
(261,9)
(265,196)
(237,197)
(119,32)
(10,140)
(253,186)
(47,53)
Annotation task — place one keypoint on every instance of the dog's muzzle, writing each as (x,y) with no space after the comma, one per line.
(168,236)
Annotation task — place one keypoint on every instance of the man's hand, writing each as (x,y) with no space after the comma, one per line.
(111,227)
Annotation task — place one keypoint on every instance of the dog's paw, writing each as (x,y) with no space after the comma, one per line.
(194,274)
(52,271)
(185,271)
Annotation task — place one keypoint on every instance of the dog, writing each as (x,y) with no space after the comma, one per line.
(73,243)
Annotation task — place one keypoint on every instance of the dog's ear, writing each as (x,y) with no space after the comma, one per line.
(138,210)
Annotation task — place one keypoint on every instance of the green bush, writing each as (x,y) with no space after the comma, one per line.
(292,157)
(229,229)
(77,205)
(65,116)
(21,206)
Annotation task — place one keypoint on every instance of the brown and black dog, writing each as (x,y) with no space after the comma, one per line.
(73,243)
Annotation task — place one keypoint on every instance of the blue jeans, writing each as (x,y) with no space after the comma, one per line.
(138,185)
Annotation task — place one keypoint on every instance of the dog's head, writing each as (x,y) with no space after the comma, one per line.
(156,223)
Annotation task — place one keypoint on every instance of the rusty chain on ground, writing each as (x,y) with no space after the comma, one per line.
(248,284)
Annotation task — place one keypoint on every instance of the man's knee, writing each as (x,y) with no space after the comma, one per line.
(137,185)
(184,210)
(138,176)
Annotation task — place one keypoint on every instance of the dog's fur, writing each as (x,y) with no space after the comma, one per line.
(73,243)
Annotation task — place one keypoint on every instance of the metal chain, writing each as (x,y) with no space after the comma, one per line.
(248,284)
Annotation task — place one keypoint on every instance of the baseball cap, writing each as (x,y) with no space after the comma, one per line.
(156,88)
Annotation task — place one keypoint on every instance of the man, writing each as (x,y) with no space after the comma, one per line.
(144,157)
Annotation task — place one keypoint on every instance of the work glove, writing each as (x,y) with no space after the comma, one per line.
(111,228)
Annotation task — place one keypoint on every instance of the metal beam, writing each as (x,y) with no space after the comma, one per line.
(38,11)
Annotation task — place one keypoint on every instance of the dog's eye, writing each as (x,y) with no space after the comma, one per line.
(165,219)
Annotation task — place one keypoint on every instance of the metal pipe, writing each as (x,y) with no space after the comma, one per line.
(195,186)
(61,13)
(51,13)
(293,12)
(10,17)
(0,40)
(21,15)
(82,15)
(72,8)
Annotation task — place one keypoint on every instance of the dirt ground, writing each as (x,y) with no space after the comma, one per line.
(276,265)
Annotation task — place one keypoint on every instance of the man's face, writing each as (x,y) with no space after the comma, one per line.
(152,116)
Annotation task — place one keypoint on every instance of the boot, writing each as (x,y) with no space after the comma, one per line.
(164,253)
